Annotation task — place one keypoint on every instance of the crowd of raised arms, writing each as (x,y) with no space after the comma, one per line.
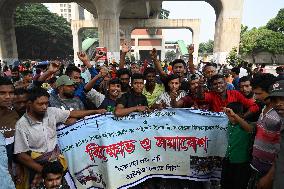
(34,99)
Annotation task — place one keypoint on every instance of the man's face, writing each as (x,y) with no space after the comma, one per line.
(245,88)
(15,76)
(28,78)
(75,76)
(278,105)
(174,85)
(83,68)
(219,85)
(193,84)
(209,72)
(39,106)
(52,181)
(138,85)
(260,94)
(115,90)
(6,95)
(150,78)
(125,78)
(134,69)
(20,103)
(179,69)
(233,74)
(68,91)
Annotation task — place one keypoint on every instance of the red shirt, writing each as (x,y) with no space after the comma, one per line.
(217,103)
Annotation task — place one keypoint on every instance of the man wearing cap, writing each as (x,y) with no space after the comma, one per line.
(65,98)
(277,98)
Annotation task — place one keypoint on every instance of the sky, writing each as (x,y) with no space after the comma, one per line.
(256,13)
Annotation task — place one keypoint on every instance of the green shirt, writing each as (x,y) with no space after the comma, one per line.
(153,97)
(238,144)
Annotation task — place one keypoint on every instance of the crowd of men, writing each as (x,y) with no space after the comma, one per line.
(34,101)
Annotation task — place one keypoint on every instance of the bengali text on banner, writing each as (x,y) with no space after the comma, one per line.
(105,151)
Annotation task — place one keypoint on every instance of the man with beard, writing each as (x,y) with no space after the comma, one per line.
(124,77)
(20,101)
(220,96)
(152,89)
(246,89)
(209,70)
(15,74)
(35,136)
(65,98)
(277,98)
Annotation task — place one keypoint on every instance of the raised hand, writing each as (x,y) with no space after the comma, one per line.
(229,112)
(54,66)
(83,56)
(125,47)
(190,49)
(153,54)
(103,71)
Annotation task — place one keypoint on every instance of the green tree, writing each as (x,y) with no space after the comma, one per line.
(41,34)
(170,56)
(233,58)
(262,39)
(89,33)
(244,29)
(277,24)
(206,47)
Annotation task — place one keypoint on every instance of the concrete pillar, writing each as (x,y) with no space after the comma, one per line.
(8,44)
(195,42)
(108,23)
(77,44)
(227,29)
(163,50)
(136,49)
(75,11)
(126,30)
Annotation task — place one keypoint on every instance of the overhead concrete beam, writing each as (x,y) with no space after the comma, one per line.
(128,25)
(144,23)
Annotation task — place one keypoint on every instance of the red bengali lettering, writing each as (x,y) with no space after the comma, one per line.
(95,150)
(182,143)
(146,144)
(112,150)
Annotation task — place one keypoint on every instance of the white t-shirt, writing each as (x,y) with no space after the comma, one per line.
(166,99)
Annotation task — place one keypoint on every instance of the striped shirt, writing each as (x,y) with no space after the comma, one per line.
(267,141)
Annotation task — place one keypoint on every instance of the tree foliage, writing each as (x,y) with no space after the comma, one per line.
(170,55)
(233,58)
(262,39)
(41,34)
(277,24)
(206,47)
(89,33)
(269,38)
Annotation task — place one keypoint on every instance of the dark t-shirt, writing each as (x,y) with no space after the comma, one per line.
(108,104)
(130,99)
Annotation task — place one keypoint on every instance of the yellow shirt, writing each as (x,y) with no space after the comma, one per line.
(153,97)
